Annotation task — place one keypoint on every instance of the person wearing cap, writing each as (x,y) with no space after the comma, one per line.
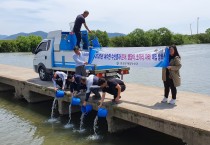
(75,84)
(113,86)
(80,19)
(60,79)
(91,83)
(79,58)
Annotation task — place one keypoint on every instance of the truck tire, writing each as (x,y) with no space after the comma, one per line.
(43,74)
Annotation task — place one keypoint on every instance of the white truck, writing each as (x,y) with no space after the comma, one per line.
(55,53)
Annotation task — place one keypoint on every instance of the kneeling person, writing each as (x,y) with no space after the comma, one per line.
(75,84)
(60,79)
(91,83)
(113,86)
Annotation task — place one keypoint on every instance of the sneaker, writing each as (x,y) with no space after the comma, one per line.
(173,101)
(165,100)
(115,102)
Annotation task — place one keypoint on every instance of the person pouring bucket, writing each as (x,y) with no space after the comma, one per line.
(75,84)
(113,86)
(80,62)
(91,83)
(60,80)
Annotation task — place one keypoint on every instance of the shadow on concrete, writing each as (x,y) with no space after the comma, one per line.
(157,106)
(40,82)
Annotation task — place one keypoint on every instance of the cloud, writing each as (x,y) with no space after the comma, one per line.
(110,15)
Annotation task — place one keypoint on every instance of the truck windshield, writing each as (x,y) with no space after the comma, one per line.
(41,47)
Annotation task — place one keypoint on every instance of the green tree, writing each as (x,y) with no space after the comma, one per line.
(165,36)
(34,41)
(177,39)
(4,46)
(121,41)
(23,44)
(154,37)
(138,38)
(208,31)
(8,46)
(13,46)
(102,36)
(207,35)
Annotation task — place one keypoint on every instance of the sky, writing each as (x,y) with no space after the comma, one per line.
(121,16)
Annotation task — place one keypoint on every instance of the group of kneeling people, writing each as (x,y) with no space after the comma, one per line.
(92,83)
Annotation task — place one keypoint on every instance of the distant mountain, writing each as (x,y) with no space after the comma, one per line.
(44,35)
(111,35)
(3,36)
(37,33)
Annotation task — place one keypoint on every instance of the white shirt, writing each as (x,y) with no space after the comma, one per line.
(80,59)
(62,75)
(89,83)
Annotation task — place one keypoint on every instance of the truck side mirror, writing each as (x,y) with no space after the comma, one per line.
(33,50)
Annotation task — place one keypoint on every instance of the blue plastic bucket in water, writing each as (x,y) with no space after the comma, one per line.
(86,109)
(75,101)
(102,112)
(59,94)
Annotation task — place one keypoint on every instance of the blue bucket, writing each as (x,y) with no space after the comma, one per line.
(102,112)
(86,109)
(75,101)
(59,94)
(95,42)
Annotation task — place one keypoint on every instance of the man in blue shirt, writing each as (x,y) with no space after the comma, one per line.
(78,24)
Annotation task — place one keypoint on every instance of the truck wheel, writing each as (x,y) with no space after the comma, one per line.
(42,74)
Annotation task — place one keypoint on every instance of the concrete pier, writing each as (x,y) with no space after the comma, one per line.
(189,120)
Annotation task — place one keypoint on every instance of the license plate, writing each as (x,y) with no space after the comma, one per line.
(111,74)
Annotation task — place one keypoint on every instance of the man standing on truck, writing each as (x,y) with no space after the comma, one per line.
(79,59)
(60,79)
(78,24)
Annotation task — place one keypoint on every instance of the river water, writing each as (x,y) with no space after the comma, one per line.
(23,124)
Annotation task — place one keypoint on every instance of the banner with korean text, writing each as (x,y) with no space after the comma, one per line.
(130,57)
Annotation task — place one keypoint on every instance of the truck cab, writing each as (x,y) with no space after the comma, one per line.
(42,59)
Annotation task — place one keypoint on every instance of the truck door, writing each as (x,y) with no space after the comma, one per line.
(41,54)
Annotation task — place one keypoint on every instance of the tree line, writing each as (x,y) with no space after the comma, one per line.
(158,37)
(137,38)
(20,44)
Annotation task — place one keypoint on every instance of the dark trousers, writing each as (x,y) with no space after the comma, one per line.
(114,92)
(169,84)
(80,70)
(96,92)
(76,87)
(60,83)
(79,37)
